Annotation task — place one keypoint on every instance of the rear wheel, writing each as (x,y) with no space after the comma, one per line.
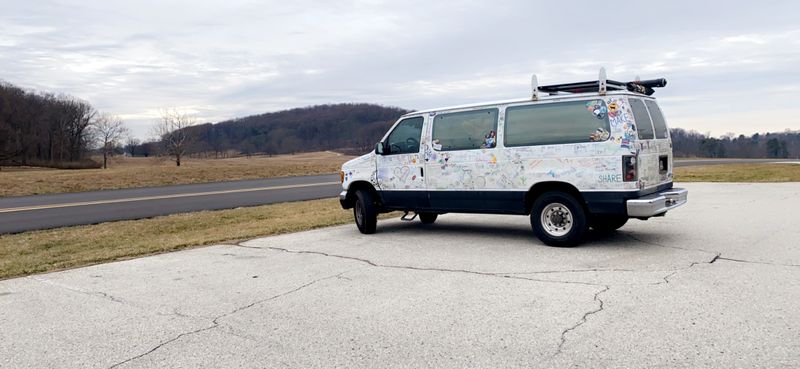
(428,218)
(608,223)
(558,219)
(365,212)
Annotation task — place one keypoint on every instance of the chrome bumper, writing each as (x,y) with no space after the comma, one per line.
(343,200)
(657,203)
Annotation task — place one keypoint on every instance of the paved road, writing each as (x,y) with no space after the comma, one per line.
(19,214)
(708,286)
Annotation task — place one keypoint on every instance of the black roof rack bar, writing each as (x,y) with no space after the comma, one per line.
(602,85)
(579,87)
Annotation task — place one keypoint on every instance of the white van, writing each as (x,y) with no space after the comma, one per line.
(573,156)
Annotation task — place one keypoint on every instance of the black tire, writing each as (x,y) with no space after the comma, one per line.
(365,212)
(558,219)
(608,223)
(427,218)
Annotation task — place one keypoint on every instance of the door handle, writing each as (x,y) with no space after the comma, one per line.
(421,172)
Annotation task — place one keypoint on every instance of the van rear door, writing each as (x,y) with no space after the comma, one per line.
(663,141)
(654,166)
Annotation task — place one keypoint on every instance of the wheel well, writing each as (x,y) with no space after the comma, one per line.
(355,187)
(542,187)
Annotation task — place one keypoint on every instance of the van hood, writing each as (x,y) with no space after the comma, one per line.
(361,161)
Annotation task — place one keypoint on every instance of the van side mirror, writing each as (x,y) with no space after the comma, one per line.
(379,148)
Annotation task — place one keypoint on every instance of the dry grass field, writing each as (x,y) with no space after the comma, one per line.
(62,248)
(144,172)
(765,172)
(70,247)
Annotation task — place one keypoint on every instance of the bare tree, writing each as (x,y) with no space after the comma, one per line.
(171,129)
(132,145)
(108,132)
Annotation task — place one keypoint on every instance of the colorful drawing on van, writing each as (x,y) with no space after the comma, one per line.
(620,119)
(613,108)
(599,135)
(597,108)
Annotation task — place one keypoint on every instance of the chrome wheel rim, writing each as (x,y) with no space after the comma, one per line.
(556,219)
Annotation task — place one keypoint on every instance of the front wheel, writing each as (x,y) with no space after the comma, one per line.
(365,212)
(558,219)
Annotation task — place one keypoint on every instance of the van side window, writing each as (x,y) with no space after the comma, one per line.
(644,127)
(557,123)
(658,119)
(404,139)
(466,130)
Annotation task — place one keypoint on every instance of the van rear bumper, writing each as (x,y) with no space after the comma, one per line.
(657,203)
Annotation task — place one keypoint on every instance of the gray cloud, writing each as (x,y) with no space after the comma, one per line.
(731,68)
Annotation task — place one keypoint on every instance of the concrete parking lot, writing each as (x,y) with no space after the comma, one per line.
(713,284)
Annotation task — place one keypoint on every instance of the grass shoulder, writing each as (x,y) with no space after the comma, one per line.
(765,172)
(70,247)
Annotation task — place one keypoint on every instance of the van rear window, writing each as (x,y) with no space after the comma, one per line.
(557,123)
(644,127)
(658,119)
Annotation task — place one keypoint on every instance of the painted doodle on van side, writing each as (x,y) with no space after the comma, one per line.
(620,117)
(594,165)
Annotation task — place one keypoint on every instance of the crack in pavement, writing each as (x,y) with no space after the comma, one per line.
(215,322)
(162,344)
(717,257)
(105,296)
(691,265)
(408,267)
(583,319)
(564,333)
(99,294)
(757,262)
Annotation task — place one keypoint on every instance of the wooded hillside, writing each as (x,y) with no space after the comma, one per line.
(348,127)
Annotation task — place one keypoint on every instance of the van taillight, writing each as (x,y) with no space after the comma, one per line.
(629,168)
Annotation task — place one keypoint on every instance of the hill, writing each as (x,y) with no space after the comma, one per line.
(348,127)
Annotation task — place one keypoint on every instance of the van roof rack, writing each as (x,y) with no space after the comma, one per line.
(601,85)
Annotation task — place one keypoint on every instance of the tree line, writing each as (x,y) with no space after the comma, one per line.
(45,129)
(768,145)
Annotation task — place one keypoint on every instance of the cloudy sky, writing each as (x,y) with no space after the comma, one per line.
(732,66)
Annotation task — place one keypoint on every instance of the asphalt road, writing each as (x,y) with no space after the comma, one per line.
(18,214)
(25,213)
(708,286)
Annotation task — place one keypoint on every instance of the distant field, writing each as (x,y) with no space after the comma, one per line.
(739,173)
(144,172)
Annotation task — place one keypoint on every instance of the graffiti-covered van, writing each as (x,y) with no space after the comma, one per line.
(572,156)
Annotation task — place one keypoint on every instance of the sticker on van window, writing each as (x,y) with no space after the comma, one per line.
(599,135)
(620,118)
(597,108)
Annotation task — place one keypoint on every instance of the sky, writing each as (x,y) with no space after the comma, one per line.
(731,66)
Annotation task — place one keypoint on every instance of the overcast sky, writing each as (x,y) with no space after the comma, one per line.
(732,66)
